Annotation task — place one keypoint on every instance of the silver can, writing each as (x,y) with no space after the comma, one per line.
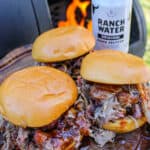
(111,21)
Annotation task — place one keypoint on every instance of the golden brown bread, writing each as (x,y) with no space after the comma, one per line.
(114,67)
(62,44)
(36,96)
(125,125)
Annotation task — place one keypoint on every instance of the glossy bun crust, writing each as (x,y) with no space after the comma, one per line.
(36,96)
(114,67)
(125,125)
(62,44)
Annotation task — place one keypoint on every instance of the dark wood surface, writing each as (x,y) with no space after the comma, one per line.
(15,60)
(17,24)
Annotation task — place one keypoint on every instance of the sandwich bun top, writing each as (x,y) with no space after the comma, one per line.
(62,43)
(114,67)
(36,96)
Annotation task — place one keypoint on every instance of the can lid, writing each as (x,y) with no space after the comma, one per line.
(110,4)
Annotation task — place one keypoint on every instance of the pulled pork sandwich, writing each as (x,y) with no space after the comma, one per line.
(117,83)
(38,97)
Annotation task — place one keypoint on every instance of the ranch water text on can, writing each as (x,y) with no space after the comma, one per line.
(111,21)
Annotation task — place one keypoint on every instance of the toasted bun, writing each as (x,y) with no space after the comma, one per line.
(62,44)
(125,125)
(36,96)
(114,67)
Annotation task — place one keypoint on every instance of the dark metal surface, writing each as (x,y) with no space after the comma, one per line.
(42,14)
(138,29)
(17,24)
(21,21)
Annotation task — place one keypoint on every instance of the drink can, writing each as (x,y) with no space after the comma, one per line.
(111,21)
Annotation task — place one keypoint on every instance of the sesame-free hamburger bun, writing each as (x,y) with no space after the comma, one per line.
(62,43)
(125,125)
(36,96)
(114,67)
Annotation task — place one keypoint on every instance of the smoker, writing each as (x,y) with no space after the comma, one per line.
(23,21)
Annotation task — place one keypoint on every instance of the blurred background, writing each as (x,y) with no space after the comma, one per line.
(23,21)
(146,8)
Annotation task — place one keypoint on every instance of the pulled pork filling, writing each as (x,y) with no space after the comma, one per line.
(96,104)
(114,102)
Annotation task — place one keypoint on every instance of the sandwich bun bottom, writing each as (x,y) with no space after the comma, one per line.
(125,125)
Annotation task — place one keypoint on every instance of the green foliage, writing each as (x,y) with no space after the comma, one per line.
(146,8)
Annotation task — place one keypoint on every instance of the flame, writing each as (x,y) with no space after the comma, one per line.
(71,15)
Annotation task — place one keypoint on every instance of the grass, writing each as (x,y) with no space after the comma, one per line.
(146,8)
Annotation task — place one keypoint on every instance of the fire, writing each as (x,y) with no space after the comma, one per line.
(71,14)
